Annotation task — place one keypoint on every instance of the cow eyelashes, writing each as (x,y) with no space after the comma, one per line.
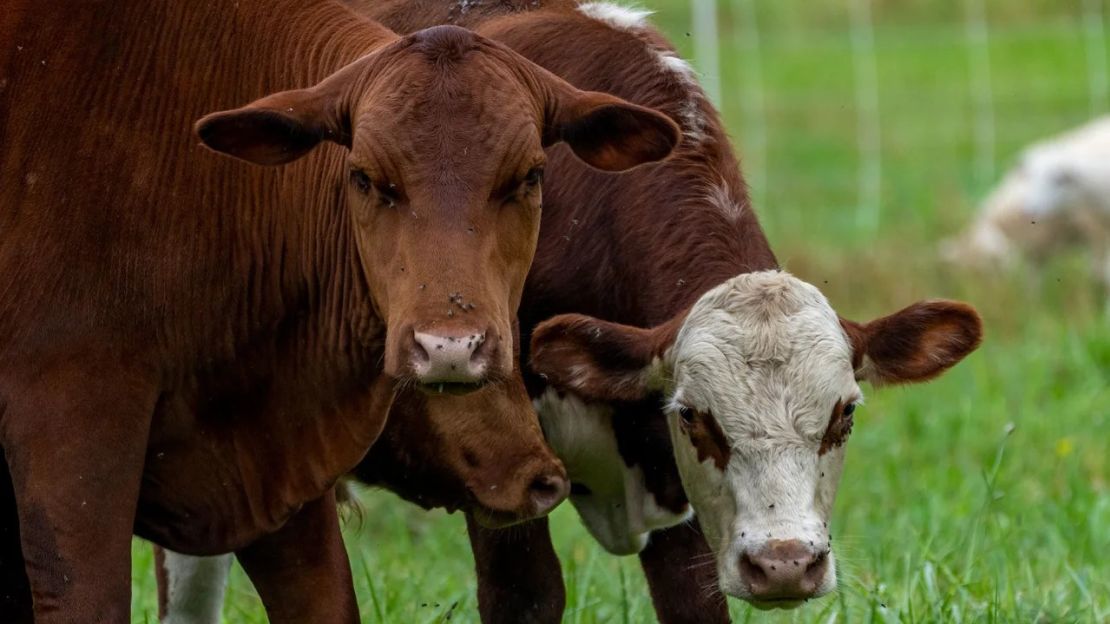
(361,181)
(534,177)
(849,409)
(686,415)
(364,184)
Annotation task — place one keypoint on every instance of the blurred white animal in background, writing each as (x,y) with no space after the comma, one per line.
(1057,196)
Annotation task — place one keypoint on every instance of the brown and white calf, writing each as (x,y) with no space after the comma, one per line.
(193,348)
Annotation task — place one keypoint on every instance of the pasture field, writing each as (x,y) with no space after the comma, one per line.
(982,497)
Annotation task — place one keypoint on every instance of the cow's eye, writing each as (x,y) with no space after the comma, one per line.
(361,181)
(687,415)
(849,409)
(534,177)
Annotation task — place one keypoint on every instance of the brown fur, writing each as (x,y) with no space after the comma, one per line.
(191,347)
(840,427)
(708,439)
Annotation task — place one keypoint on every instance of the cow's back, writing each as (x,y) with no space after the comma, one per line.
(124,225)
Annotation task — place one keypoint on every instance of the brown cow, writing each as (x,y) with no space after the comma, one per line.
(195,349)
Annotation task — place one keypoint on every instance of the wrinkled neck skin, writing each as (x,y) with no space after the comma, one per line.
(265,337)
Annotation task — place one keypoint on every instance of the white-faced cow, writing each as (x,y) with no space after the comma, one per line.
(193,348)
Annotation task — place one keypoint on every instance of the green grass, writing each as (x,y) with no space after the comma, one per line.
(982,497)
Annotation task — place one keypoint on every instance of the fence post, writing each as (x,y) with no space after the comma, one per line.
(707,48)
(869,124)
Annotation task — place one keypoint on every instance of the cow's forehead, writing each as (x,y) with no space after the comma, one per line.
(763,343)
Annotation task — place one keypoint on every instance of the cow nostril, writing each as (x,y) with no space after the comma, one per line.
(546,491)
(752,571)
(417,351)
(815,571)
(483,349)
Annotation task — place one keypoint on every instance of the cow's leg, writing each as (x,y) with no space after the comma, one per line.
(190,589)
(74,438)
(301,571)
(15,589)
(519,576)
(682,575)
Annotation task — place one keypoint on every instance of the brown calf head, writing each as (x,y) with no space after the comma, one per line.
(760,381)
(483,452)
(445,132)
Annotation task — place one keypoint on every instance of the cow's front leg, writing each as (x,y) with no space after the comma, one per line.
(74,438)
(190,588)
(682,575)
(301,571)
(519,576)
(15,589)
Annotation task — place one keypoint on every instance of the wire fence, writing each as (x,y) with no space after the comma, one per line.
(997,84)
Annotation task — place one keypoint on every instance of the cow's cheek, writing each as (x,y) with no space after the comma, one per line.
(829,466)
(708,490)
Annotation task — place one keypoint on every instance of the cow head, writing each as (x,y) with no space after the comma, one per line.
(760,379)
(445,132)
(483,453)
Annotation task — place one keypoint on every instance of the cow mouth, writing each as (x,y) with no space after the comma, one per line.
(493,519)
(456,388)
(767,604)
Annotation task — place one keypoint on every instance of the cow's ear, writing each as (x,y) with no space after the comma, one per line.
(915,344)
(604,131)
(278,128)
(600,360)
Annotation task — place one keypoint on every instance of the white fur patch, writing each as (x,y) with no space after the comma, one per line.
(693,124)
(195,588)
(615,15)
(618,511)
(719,196)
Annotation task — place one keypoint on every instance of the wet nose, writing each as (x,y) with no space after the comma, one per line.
(439,358)
(784,570)
(546,491)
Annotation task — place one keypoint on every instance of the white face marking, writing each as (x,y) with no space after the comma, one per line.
(195,587)
(765,357)
(618,511)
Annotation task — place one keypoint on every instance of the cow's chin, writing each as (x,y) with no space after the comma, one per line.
(769,605)
(493,519)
